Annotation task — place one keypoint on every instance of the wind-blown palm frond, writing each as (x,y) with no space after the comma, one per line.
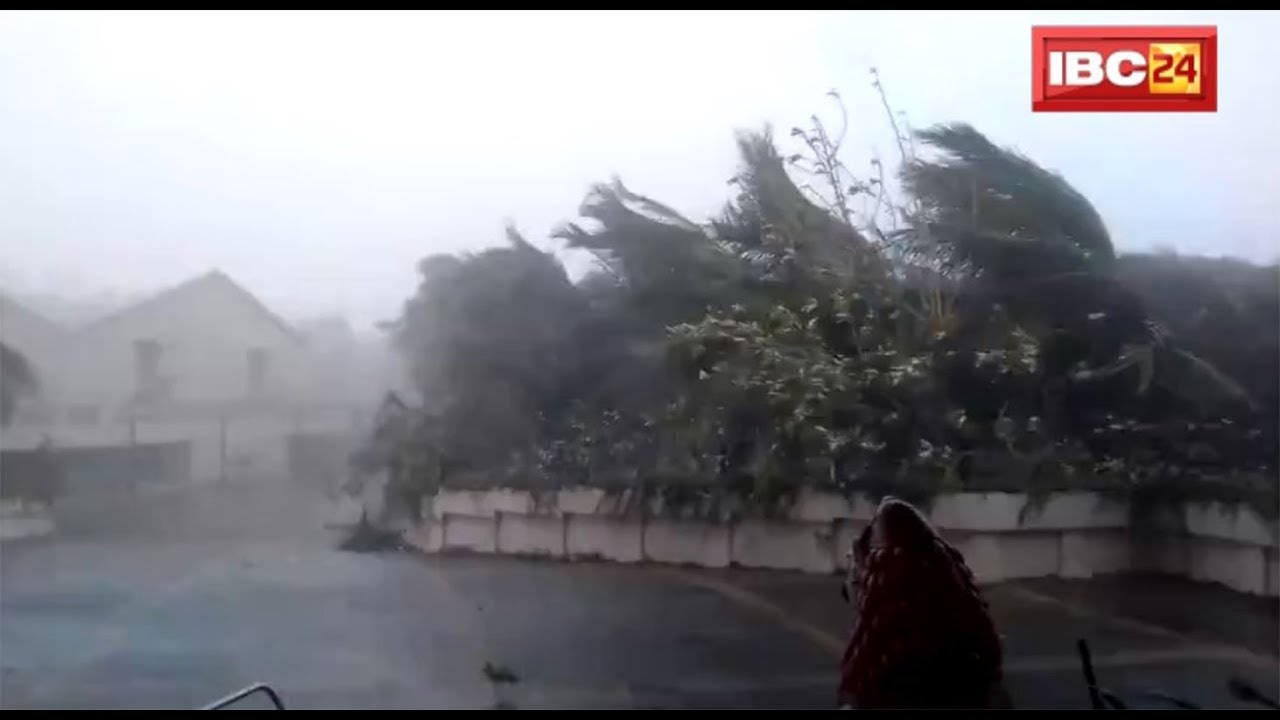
(975,185)
(774,223)
(1029,241)
(667,263)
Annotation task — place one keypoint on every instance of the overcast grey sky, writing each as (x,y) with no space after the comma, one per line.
(317,157)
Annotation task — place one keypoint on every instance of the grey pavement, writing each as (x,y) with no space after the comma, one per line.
(173,601)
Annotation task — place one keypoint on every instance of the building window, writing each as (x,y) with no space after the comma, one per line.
(258,366)
(148,383)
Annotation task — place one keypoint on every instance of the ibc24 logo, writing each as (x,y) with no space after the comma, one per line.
(1124,69)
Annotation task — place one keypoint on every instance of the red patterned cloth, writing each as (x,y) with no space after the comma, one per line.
(923,635)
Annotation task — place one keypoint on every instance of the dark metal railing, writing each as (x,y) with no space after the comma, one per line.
(244,693)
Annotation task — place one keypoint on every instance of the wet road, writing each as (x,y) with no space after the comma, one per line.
(199,596)
(202,593)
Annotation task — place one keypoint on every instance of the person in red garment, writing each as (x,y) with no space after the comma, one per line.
(923,636)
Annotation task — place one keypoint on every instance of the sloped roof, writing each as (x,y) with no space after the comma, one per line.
(25,329)
(213,277)
(12,308)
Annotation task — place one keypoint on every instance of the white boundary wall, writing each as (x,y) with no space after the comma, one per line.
(1072,535)
(236,445)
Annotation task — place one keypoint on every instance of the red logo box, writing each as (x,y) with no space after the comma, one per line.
(1100,68)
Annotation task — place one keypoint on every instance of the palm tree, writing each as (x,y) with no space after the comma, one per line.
(1021,238)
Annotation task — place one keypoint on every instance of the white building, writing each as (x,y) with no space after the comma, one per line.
(204,362)
(205,349)
(206,345)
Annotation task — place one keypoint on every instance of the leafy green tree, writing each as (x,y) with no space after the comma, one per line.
(17,380)
(487,339)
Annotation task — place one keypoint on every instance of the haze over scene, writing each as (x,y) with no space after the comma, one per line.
(315,157)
